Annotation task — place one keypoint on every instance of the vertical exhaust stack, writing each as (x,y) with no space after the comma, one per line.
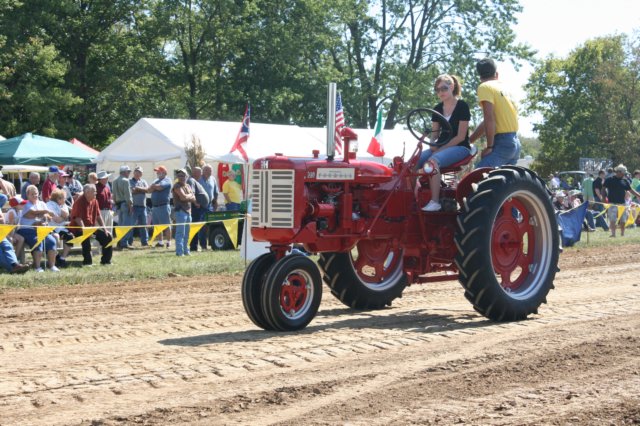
(331,121)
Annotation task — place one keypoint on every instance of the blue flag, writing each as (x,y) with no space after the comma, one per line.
(571,224)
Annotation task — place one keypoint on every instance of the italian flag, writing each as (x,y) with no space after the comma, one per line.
(376,147)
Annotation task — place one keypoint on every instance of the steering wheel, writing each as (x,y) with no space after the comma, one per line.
(420,122)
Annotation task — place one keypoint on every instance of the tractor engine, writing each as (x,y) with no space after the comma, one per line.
(321,204)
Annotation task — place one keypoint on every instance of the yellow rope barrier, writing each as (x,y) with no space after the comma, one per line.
(231,226)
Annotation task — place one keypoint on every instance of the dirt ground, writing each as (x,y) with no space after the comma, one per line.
(182,351)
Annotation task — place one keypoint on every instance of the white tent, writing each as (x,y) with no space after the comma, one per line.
(2,138)
(151,142)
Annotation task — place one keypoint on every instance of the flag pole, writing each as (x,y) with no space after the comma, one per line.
(331,121)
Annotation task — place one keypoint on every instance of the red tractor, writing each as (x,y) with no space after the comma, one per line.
(496,233)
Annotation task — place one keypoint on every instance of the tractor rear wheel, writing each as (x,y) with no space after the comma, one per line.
(291,293)
(368,277)
(508,245)
(252,284)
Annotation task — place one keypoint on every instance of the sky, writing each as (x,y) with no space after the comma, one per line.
(559,26)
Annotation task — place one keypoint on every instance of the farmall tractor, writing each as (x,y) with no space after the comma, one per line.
(496,233)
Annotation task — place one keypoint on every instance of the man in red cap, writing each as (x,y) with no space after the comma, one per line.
(160,208)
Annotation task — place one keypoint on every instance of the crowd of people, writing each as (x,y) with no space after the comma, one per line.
(614,186)
(66,205)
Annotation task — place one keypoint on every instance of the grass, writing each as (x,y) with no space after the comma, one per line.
(131,265)
(601,238)
(150,264)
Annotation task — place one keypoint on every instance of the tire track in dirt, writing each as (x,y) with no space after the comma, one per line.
(195,354)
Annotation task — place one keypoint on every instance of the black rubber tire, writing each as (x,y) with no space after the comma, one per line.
(218,238)
(509,278)
(251,289)
(291,270)
(339,273)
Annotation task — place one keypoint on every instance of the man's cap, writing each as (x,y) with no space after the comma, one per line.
(621,168)
(486,68)
(63,173)
(17,201)
(162,169)
(138,169)
(125,168)
(103,175)
(54,169)
(560,194)
(183,171)
(69,172)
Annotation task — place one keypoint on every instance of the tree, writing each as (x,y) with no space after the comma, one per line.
(589,104)
(32,93)
(393,49)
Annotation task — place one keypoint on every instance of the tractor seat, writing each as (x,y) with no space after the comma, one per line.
(456,167)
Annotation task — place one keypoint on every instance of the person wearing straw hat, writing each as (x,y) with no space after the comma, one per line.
(618,190)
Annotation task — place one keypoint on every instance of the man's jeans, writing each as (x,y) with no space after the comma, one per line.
(124,219)
(140,219)
(183,219)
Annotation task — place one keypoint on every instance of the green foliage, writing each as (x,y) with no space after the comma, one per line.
(393,49)
(530,146)
(90,69)
(589,103)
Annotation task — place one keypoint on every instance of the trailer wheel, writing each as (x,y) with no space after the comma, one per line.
(291,293)
(252,284)
(508,244)
(218,238)
(368,277)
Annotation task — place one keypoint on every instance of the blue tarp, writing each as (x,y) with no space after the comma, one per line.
(571,224)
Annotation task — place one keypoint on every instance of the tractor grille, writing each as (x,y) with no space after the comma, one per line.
(272,198)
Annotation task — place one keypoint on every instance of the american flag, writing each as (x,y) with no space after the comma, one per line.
(339,124)
(243,134)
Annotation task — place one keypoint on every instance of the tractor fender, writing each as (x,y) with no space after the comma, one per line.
(464,187)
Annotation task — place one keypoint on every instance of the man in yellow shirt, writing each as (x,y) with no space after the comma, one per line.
(232,192)
(500,124)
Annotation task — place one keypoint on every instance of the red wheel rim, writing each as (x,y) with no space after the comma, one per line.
(376,260)
(512,243)
(294,294)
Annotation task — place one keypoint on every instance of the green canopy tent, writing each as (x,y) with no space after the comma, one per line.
(34,150)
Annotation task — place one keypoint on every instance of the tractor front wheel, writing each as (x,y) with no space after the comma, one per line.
(368,277)
(252,284)
(508,245)
(291,293)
